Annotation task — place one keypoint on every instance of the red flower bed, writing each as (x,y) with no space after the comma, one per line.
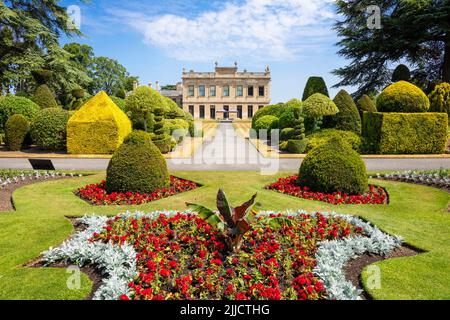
(183,257)
(97,195)
(376,195)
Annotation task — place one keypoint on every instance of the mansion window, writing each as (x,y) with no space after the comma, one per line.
(191,91)
(261,91)
(191,110)
(201,91)
(202,112)
(212,91)
(226,91)
(239,112)
(250,91)
(250,111)
(212,112)
(239,91)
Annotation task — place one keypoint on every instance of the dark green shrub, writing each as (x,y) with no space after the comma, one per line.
(44,97)
(275,110)
(440,98)
(266,123)
(78,93)
(403,97)
(287,134)
(11,105)
(313,86)
(401,73)
(121,94)
(315,108)
(366,104)
(161,139)
(405,133)
(323,136)
(42,76)
(49,129)
(297,146)
(287,118)
(137,166)
(16,129)
(348,118)
(334,167)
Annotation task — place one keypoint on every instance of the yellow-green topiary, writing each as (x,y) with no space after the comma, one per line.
(98,127)
(403,97)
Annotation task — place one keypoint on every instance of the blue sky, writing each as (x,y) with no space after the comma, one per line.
(155,40)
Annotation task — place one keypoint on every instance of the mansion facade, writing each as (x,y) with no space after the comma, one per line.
(225,93)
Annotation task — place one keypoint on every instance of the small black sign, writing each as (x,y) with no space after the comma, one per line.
(42,164)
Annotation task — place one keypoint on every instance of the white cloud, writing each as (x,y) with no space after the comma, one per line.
(258,29)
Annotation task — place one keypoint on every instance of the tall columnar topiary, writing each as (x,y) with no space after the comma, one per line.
(298,142)
(348,118)
(440,98)
(315,108)
(334,167)
(11,105)
(137,166)
(365,104)
(161,137)
(403,97)
(16,129)
(313,86)
(401,73)
(49,129)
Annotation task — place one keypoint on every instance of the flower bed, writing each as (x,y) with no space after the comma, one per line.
(179,256)
(376,195)
(8,177)
(96,194)
(437,178)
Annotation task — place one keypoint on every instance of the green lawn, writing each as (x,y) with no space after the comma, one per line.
(417,213)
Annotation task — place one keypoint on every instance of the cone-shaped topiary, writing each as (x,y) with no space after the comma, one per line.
(49,129)
(403,97)
(348,118)
(365,104)
(401,73)
(440,98)
(44,97)
(315,85)
(161,139)
(137,166)
(16,129)
(334,167)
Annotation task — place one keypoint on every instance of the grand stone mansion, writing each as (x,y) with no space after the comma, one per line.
(225,93)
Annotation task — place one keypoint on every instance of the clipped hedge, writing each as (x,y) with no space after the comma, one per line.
(16,129)
(334,167)
(405,133)
(321,137)
(315,85)
(98,127)
(403,97)
(297,146)
(49,129)
(348,118)
(137,166)
(11,105)
(44,97)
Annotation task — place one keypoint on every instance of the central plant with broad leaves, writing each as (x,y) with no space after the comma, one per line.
(233,222)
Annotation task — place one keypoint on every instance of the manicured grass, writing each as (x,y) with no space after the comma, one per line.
(417,213)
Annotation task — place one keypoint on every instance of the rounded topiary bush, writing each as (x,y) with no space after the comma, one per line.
(365,104)
(44,97)
(348,118)
(401,73)
(49,129)
(287,134)
(11,105)
(137,166)
(16,129)
(319,105)
(315,85)
(275,110)
(334,167)
(440,98)
(266,123)
(403,97)
(287,118)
